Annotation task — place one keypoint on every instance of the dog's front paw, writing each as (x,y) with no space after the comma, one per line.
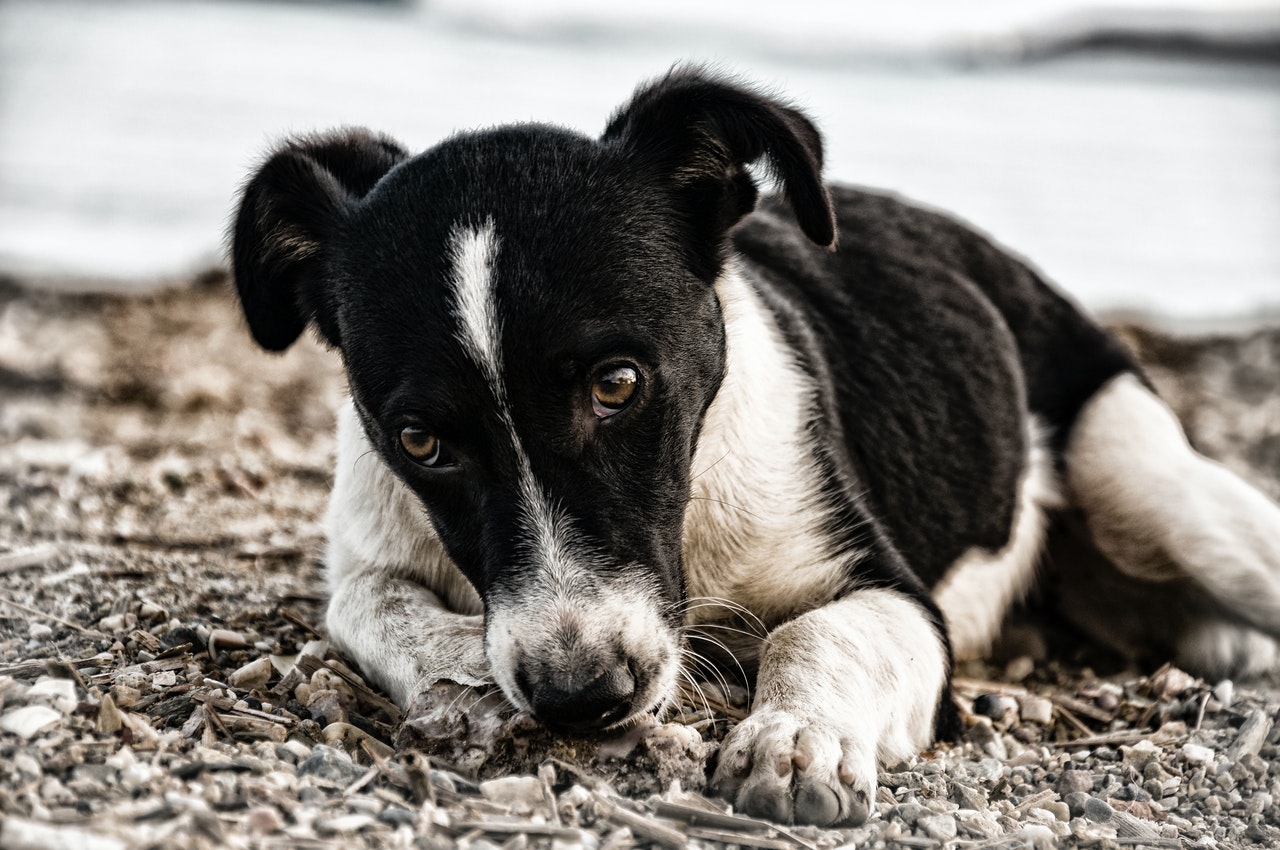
(791,768)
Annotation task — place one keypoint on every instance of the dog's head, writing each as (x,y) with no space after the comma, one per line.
(531,334)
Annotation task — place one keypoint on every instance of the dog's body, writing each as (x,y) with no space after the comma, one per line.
(636,420)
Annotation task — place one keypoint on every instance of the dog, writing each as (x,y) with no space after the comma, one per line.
(606,403)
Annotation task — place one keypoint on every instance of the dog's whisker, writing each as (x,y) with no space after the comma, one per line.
(710,671)
(719,644)
(711,467)
(734,608)
(726,504)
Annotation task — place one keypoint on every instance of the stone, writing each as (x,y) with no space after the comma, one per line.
(1139,755)
(938,827)
(351,738)
(1060,810)
(330,767)
(252,676)
(1075,780)
(1257,725)
(1036,710)
(347,823)
(1019,668)
(59,693)
(1075,802)
(995,706)
(1197,754)
(909,813)
(1098,811)
(110,718)
(18,833)
(523,794)
(29,721)
(264,820)
(967,797)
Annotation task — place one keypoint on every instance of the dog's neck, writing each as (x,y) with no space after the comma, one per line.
(753,513)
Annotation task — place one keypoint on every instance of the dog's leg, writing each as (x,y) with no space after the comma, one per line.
(403,637)
(1159,510)
(841,689)
(398,606)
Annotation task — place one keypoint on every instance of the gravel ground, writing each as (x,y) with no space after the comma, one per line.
(162,684)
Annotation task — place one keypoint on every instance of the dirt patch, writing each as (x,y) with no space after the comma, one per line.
(163,682)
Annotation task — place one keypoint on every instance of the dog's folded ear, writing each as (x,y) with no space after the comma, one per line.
(288,213)
(702,131)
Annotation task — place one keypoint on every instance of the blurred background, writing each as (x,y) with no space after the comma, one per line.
(1132,152)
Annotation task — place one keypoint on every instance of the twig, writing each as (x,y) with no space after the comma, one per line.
(25,559)
(648,828)
(1121,737)
(296,620)
(1074,721)
(38,613)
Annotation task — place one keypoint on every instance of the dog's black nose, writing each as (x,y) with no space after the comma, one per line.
(561,703)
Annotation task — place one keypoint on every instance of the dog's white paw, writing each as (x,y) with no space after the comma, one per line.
(792,768)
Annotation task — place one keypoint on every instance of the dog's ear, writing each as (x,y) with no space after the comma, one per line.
(701,132)
(288,213)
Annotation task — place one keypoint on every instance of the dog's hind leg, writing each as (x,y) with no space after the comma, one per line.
(1161,511)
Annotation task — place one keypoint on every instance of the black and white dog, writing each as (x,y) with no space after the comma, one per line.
(601,404)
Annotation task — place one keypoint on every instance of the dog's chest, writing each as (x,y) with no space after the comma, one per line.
(754,529)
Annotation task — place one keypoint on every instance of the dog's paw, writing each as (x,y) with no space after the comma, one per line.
(791,768)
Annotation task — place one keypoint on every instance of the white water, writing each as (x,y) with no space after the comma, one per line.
(125,128)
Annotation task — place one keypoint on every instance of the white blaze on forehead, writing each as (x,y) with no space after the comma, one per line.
(473,251)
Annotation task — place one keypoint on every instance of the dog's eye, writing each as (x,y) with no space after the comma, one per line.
(613,390)
(422,448)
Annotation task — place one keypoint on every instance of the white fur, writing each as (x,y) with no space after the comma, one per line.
(752,530)
(841,688)
(1159,510)
(979,588)
(398,605)
(473,253)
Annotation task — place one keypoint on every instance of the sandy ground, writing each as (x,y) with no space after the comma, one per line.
(160,486)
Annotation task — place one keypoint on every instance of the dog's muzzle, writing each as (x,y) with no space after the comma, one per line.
(578,699)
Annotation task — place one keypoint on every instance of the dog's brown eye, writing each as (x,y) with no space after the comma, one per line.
(422,448)
(613,390)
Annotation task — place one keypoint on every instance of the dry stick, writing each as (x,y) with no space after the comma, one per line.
(1074,721)
(25,559)
(38,613)
(1123,737)
(647,828)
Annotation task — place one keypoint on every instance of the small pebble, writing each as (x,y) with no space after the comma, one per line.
(264,820)
(995,706)
(330,767)
(39,632)
(1197,754)
(1224,692)
(521,793)
(60,693)
(29,721)
(1036,710)
(1019,668)
(938,827)
(1098,811)
(252,676)
(110,719)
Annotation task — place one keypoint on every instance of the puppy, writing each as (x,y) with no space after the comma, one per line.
(604,404)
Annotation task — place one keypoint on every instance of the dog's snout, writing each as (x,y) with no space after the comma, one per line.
(579,703)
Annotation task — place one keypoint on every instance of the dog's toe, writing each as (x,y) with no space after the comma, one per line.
(781,767)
